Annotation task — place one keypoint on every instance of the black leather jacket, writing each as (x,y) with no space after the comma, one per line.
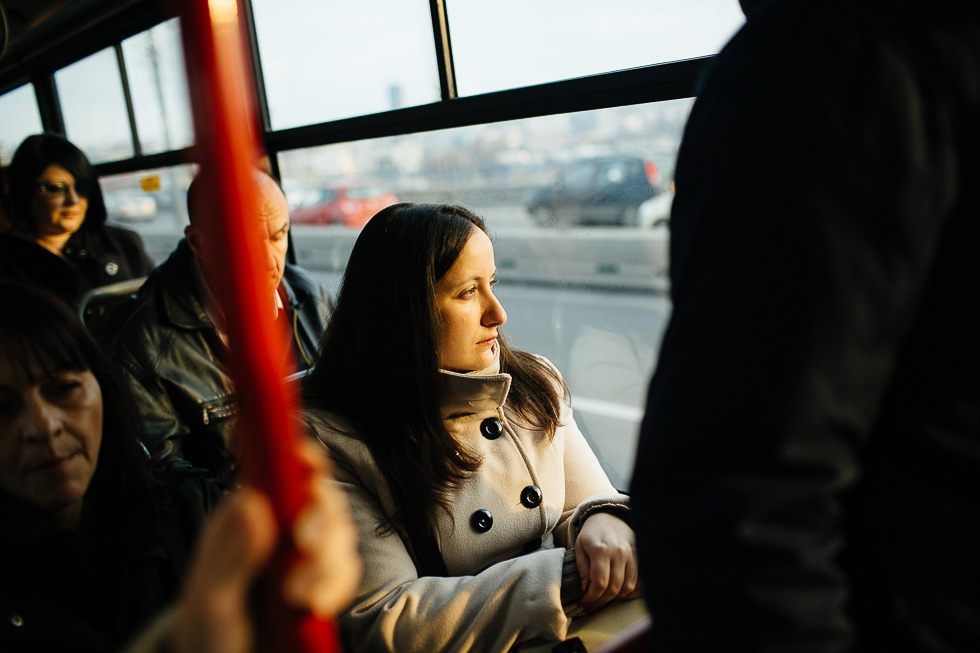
(174,360)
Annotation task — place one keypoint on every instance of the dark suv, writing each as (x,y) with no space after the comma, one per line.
(606,190)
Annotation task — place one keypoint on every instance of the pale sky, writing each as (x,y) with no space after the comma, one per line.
(330,59)
(343,58)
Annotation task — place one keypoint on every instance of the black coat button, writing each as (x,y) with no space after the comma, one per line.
(481,521)
(531,496)
(491,428)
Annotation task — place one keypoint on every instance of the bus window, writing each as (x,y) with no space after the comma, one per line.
(514,43)
(151,202)
(328,60)
(94,107)
(20,120)
(587,288)
(158,82)
(565,142)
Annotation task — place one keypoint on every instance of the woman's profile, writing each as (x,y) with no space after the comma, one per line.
(484,517)
(59,241)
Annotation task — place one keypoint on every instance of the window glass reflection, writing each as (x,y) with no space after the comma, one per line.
(20,120)
(514,43)
(579,207)
(94,107)
(329,60)
(152,203)
(158,83)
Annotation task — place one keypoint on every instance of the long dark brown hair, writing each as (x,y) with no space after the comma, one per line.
(378,364)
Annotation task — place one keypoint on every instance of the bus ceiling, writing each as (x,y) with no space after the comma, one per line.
(41,35)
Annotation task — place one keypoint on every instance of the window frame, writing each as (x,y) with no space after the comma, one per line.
(647,84)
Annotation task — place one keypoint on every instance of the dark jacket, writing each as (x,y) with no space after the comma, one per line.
(92,258)
(808,475)
(58,595)
(175,361)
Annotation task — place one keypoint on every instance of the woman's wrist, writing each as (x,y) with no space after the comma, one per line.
(617,508)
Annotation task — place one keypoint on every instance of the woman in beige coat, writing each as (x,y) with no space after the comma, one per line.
(484,518)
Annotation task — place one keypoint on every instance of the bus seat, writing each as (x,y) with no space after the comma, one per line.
(98,306)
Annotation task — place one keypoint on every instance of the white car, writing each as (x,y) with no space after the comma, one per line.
(655,212)
(130,207)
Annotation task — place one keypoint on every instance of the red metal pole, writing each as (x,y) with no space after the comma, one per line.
(228,151)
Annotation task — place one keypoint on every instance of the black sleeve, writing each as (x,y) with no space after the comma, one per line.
(137,260)
(183,507)
(164,429)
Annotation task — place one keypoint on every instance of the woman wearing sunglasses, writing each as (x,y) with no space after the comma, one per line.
(59,240)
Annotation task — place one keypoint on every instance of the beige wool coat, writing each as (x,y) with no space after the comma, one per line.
(494,596)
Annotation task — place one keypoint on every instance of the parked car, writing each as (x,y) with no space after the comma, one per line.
(130,207)
(606,190)
(655,212)
(299,194)
(350,202)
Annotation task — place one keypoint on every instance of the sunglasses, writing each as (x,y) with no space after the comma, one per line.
(59,191)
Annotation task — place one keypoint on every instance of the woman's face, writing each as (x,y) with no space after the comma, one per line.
(469,309)
(56,206)
(50,434)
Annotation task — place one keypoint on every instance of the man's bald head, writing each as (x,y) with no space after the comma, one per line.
(273,213)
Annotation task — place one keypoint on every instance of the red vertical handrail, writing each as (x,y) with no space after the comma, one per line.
(227,130)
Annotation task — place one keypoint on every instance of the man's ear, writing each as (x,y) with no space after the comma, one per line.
(196,241)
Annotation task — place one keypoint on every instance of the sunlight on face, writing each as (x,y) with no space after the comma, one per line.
(470,311)
(56,206)
(274,216)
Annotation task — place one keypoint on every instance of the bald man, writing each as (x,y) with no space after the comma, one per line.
(173,347)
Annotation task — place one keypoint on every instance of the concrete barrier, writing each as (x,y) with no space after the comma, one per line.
(606,258)
(609,258)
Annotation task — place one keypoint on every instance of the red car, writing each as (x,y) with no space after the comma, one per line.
(350,202)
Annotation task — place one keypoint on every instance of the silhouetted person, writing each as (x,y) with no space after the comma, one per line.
(808,475)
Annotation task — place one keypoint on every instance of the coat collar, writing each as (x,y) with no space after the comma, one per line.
(474,392)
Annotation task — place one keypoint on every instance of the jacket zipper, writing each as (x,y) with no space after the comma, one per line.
(221,410)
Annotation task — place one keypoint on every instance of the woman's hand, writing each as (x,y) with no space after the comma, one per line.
(235,547)
(605,553)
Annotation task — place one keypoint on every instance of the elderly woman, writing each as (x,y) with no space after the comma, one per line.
(482,512)
(96,544)
(60,241)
